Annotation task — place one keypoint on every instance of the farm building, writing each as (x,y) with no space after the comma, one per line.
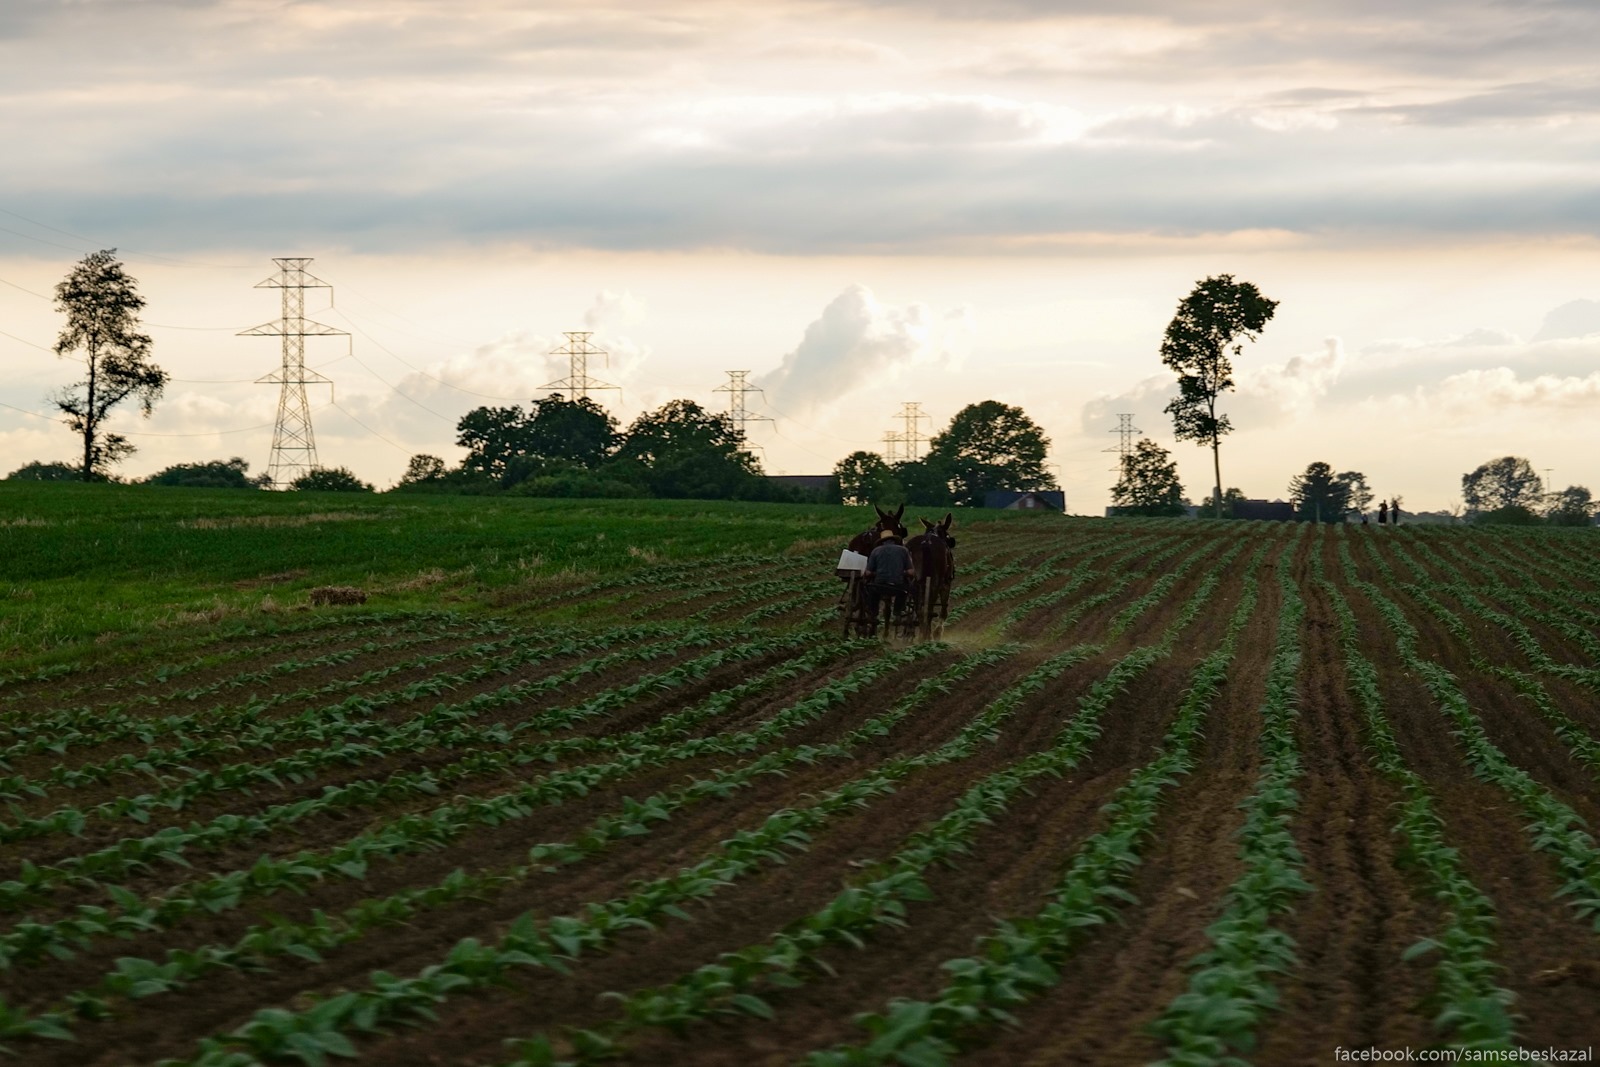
(1013,500)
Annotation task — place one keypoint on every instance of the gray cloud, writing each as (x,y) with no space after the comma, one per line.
(1576,318)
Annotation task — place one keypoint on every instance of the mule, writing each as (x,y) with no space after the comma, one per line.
(865,541)
(933,555)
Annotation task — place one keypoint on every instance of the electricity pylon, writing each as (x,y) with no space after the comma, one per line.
(738,412)
(577,383)
(1125,429)
(294,447)
(909,439)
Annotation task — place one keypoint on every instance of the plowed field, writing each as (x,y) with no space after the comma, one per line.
(1166,791)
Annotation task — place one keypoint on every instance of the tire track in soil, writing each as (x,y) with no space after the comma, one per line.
(1123,976)
(741,911)
(1537,931)
(1351,987)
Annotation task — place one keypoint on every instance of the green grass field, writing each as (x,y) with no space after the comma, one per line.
(117,563)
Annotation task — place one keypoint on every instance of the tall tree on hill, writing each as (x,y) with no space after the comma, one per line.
(102,305)
(1149,482)
(1212,321)
(865,478)
(683,450)
(990,446)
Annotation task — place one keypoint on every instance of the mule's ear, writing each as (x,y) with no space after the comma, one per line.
(883,516)
(926,525)
(899,513)
(948,519)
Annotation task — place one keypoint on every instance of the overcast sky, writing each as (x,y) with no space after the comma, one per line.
(861,204)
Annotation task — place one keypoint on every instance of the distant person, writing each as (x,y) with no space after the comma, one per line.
(1363,518)
(888,572)
(1394,513)
(1383,512)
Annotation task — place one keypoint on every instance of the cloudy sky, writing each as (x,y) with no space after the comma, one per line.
(861,204)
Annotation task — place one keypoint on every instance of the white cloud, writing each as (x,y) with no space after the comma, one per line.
(858,343)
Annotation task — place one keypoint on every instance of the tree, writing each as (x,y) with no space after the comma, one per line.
(924,482)
(331,480)
(38,471)
(1573,506)
(991,446)
(683,450)
(864,478)
(102,305)
(577,431)
(1149,482)
(1216,318)
(493,438)
(216,474)
(1319,495)
(1360,491)
(1233,496)
(421,469)
(1507,482)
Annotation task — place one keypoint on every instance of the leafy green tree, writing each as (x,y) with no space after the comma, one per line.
(990,446)
(39,471)
(331,480)
(924,482)
(493,438)
(683,450)
(102,305)
(1148,484)
(422,470)
(1573,506)
(1212,321)
(216,474)
(577,431)
(1319,495)
(1225,509)
(865,478)
(1507,482)
(1360,491)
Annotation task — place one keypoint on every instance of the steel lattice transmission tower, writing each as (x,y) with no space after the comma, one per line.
(577,383)
(294,447)
(738,411)
(910,438)
(1125,431)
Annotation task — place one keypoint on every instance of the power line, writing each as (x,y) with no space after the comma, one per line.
(577,383)
(294,447)
(738,412)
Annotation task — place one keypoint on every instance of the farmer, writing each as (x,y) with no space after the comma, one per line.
(888,571)
(1383,512)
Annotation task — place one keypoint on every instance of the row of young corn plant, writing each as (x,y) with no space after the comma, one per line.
(1085,572)
(558,942)
(1538,656)
(1563,590)
(875,899)
(1233,988)
(661,576)
(430,830)
(786,591)
(171,844)
(440,728)
(1020,959)
(1553,826)
(277,630)
(133,717)
(712,583)
(126,722)
(1038,574)
(1149,565)
(1578,740)
(240,730)
(1470,1007)
(135,978)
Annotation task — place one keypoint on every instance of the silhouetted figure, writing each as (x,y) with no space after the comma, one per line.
(1363,518)
(1394,513)
(1383,512)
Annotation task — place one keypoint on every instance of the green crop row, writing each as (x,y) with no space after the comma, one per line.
(1019,959)
(1233,988)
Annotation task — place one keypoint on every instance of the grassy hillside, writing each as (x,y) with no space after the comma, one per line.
(101,562)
